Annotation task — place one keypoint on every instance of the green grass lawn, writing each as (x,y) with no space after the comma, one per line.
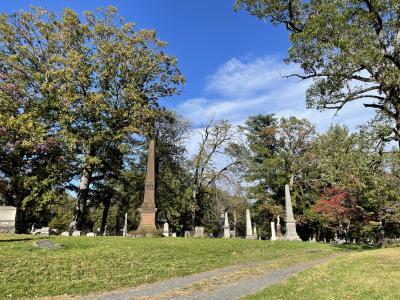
(86,265)
(371,274)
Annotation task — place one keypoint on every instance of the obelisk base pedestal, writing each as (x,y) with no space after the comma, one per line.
(147,220)
(291,233)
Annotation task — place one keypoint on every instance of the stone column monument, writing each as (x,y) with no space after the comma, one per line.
(273,235)
(227,234)
(148,208)
(291,233)
(249,230)
(125,229)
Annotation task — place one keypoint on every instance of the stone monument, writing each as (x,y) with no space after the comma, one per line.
(278,229)
(227,233)
(125,229)
(249,230)
(8,215)
(165,231)
(273,235)
(148,208)
(291,233)
(199,231)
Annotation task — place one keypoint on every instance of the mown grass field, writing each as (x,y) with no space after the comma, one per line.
(371,274)
(88,265)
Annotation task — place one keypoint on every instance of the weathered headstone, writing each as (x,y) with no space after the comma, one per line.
(45,231)
(148,208)
(249,230)
(278,229)
(45,244)
(291,233)
(255,231)
(165,229)
(90,234)
(227,234)
(199,231)
(125,229)
(8,215)
(76,233)
(187,234)
(173,234)
(65,233)
(273,235)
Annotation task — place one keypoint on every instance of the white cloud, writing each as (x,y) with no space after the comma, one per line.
(242,88)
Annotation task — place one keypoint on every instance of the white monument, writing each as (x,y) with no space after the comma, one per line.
(165,231)
(255,231)
(291,233)
(8,215)
(227,234)
(249,230)
(125,230)
(273,234)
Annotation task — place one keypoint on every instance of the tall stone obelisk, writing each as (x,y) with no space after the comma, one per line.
(148,208)
(249,230)
(291,233)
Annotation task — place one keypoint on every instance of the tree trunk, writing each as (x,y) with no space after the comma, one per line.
(106,209)
(194,197)
(79,217)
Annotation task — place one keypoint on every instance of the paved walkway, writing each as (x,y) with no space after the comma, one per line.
(231,282)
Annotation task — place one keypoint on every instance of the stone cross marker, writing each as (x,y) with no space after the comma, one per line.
(148,208)
(227,233)
(8,215)
(249,230)
(273,235)
(291,233)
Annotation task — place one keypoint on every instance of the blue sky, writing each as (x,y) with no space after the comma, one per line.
(231,60)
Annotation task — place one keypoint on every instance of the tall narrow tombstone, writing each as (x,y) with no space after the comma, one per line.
(255,231)
(278,229)
(125,230)
(234,223)
(249,230)
(291,233)
(273,235)
(227,234)
(148,208)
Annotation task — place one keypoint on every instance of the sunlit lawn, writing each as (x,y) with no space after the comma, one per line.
(371,274)
(86,265)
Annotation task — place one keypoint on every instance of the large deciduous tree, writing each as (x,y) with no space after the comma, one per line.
(95,81)
(349,48)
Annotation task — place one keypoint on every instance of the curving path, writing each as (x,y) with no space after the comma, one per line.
(231,282)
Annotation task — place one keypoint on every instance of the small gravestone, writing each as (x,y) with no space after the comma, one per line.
(45,231)
(45,244)
(8,215)
(91,234)
(165,229)
(173,234)
(199,231)
(187,234)
(76,233)
(65,233)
